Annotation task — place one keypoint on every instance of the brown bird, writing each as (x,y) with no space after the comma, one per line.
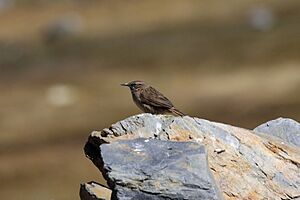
(150,100)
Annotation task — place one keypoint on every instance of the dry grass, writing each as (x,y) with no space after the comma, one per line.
(204,56)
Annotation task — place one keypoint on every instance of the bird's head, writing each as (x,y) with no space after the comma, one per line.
(134,85)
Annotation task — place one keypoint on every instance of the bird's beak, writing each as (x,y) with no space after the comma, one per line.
(124,84)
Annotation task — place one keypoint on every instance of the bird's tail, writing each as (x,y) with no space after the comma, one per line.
(176,112)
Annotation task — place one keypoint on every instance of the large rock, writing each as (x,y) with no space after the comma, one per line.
(155,169)
(245,165)
(286,129)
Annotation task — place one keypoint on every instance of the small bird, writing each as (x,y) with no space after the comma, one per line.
(150,100)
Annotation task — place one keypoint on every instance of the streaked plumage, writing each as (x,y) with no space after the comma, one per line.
(150,100)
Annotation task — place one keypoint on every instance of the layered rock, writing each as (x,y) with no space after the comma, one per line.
(154,169)
(245,165)
(284,128)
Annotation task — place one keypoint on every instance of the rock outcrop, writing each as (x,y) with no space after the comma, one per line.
(286,129)
(245,165)
(154,169)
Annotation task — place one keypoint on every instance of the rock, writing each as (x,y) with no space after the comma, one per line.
(93,191)
(64,27)
(262,18)
(286,129)
(155,169)
(6,5)
(245,165)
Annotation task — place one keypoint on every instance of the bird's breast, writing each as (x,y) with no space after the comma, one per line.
(136,96)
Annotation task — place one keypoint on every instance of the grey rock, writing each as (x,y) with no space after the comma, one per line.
(284,128)
(155,169)
(63,28)
(5,5)
(94,191)
(262,18)
(245,165)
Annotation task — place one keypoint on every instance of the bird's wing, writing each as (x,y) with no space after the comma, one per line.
(152,97)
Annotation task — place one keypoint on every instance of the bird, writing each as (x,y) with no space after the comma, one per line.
(150,100)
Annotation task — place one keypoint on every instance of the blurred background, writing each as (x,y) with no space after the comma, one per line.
(61,63)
